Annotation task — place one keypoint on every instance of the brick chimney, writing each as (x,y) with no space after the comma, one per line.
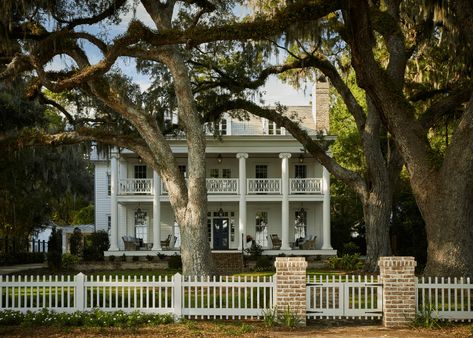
(320,105)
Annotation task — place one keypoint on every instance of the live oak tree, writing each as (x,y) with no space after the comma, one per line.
(39,31)
(406,29)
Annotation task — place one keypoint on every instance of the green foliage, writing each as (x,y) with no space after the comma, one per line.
(69,261)
(111,258)
(350,248)
(149,258)
(254,251)
(346,262)
(289,318)
(175,262)
(135,258)
(270,317)
(55,249)
(426,317)
(76,242)
(95,318)
(86,215)
(95,245)
(264,263)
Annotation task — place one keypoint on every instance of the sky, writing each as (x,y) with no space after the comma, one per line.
(275,91)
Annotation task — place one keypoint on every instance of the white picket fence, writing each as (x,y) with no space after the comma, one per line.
(191,297)
(344,297)
(445,298)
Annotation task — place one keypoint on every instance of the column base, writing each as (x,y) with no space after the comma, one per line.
(327,247)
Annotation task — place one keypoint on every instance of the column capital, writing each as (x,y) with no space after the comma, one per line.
(285,155)
(115,153)
(242,155)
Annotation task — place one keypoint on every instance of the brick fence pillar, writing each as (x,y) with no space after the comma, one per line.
(399,290)
(290,290)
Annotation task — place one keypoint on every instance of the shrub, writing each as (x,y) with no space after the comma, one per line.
(123,258)
(426,317)
(68,261)
(55,249)
(22,258)
(346,262)
(270,317)
(135,258)
(95,245)
(76,242)
(254,251)
(95,318)
(111,258)
(149,258)
(350,248)
(175,262)
(264,263)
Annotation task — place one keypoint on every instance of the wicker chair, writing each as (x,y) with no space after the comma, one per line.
(308,244)
(276,241)
(166,243)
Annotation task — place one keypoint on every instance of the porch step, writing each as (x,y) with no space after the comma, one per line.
(227,263)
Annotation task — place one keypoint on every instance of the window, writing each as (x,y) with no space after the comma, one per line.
(300,171)
(261,171)
(214,173)
(183,170)
(109,184)
(261,228)
(140,171)
(226,173)
(300,224)
(271,128)
(141,225)
(109,225)
(223,127)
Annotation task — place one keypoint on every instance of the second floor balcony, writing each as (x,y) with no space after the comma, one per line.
(229,186)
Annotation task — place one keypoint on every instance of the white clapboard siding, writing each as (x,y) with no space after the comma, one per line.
(102,199)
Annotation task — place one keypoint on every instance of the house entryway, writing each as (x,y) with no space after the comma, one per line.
(220,233)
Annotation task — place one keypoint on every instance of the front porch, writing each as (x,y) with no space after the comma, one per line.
(266,252)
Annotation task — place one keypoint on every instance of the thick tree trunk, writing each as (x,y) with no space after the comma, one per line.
(377,209)
(449,227)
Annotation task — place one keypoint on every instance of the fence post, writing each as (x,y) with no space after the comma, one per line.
(399,290)
(79,292)
(177,295)
(291,289)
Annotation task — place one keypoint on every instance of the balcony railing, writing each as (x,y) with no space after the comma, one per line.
(226,186)
(138,186)
(305,186)
(263,185)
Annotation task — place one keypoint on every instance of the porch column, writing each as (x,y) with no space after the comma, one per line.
(242,208)
(156,211)
(113,201)
(326,241)
(285,200)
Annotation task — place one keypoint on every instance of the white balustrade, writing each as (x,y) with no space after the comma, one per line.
(222,185)
(263,185)
(130,186)
(305,186)
(228,186)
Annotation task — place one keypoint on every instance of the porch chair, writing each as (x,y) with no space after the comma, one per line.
(166,243)
(308,244)
(131,243)
(276,241)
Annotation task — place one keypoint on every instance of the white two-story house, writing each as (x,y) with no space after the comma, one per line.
(261,186)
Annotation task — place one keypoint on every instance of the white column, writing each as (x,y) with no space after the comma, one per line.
(156,211)
(326,245)
(285,200)
(113,201)
(242,208)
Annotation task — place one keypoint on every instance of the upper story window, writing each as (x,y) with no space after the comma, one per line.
(271,128)
(183,170)
(140,171)
(261,171)
(224,127)
(300,171)
(109,184)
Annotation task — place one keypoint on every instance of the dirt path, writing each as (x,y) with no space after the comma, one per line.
(209,329)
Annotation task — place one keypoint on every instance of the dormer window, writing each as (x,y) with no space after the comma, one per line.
(223,127)
(271,128)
